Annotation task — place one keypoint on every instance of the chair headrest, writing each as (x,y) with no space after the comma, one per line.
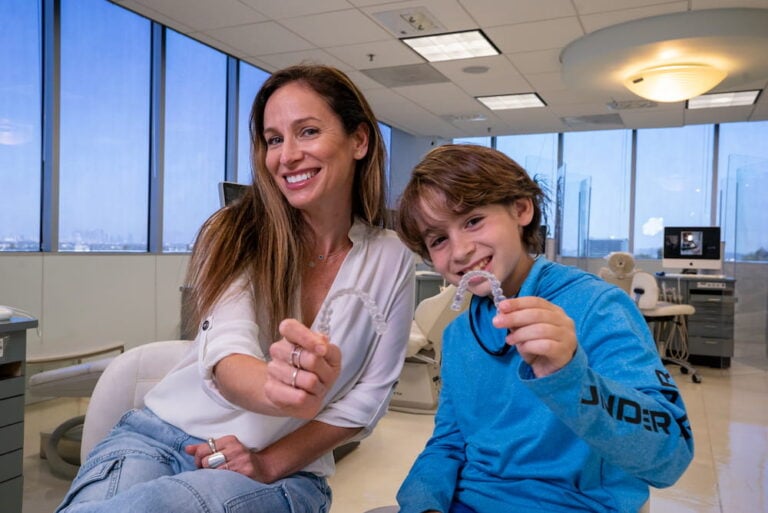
(620,263)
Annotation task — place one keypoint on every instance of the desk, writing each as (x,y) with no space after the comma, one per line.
(710,329)
(13,352)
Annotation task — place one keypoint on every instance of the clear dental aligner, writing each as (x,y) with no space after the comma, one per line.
(324,324)
(498,294)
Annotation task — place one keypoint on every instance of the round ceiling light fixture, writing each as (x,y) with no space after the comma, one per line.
(723,49)
(674,82)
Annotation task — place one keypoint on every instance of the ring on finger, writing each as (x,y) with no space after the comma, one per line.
(296,356)
(217,459)
(211,445)
(293,377)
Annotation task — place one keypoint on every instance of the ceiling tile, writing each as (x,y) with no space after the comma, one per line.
(503,12)
(540,61)
(282,60)
(716,4)
(411,117)
(337,28)
(279,9)
(593,6)
(441,98)
(384,54)
(261,38)
(552,81)
(447,13)
(718,115)
(200,16)
(538,35)
(501,76)
(600,20)
(154,15)
(531,120)
(653,118)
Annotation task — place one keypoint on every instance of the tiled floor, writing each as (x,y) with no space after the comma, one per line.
(729,474)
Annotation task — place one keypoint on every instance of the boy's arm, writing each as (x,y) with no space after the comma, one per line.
(431,482)
(621,400)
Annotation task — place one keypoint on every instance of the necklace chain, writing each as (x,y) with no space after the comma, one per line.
(325,258)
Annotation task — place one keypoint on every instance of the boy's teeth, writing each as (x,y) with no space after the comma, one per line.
(479,266)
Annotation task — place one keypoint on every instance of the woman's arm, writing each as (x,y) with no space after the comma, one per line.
(284,457)
(282,387)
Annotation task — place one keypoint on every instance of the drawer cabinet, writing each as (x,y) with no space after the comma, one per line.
(13,348)
(711,328)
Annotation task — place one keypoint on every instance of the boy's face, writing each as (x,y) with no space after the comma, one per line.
(488,238)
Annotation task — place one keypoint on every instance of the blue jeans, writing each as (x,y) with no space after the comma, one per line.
(142,466)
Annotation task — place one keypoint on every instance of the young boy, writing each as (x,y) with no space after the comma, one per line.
(558,400)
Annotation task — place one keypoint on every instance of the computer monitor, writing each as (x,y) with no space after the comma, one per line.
(691,248)
(229,192)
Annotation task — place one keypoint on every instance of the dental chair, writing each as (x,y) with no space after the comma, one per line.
(668,321)
(418,388)
(76,380)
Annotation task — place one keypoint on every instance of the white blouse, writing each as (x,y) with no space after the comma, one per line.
(377,264)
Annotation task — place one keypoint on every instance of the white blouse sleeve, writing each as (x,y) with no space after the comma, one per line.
(229,329)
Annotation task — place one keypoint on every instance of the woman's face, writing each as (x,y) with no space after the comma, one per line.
(309,155)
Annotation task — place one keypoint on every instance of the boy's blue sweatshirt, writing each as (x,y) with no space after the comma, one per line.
(590,437)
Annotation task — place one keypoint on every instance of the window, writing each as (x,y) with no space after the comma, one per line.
(537,153)
(480,141)
(251,79)
(673,184)
(743,176)
(195,137)
(20,128)
(104,138)
(603,161)
(386,135)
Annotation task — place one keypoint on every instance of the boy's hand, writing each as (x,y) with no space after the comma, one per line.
(542,332)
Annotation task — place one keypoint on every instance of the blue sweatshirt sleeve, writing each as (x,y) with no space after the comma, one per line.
(616,395)
(431,482)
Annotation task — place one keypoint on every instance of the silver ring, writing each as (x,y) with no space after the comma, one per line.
(296,356)
(293,377)
(216,459)
(212,445)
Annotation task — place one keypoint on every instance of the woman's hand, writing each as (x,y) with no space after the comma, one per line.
(303,368)
(544,335)
(238,457)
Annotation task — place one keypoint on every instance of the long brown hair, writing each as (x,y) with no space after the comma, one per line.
(457,178)
(262,235)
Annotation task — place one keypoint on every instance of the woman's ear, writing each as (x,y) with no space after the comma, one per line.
(523,209)
(361,137)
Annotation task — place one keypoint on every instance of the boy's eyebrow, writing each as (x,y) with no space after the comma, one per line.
(429,231)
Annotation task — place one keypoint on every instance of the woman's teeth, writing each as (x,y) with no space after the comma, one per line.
(300,177)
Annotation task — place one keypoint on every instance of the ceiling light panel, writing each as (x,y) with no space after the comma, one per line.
(456,45)
(735,99)
(512,101)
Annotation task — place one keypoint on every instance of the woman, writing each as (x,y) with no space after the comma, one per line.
(244,421)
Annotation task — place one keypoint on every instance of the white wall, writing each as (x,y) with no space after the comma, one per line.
(407,151)
(85,301)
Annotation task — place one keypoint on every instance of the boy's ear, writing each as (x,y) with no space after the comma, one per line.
(524,211)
